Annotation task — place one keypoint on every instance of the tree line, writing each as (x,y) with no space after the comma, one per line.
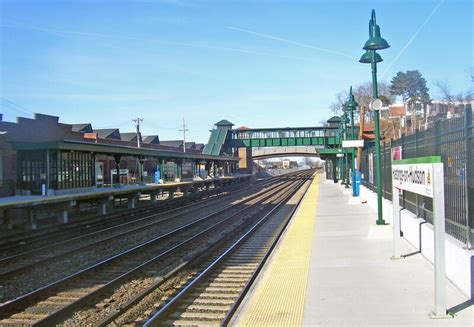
(412,87)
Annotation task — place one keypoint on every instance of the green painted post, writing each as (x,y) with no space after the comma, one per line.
(346,157)
(375,42)
(352,106)
(341,159)
(378,161)
(353,160)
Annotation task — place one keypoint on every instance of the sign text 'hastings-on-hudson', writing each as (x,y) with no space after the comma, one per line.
(416,178)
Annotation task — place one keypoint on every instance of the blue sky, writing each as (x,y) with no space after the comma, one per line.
(255,63)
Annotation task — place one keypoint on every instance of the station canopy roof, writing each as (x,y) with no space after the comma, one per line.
(46,132)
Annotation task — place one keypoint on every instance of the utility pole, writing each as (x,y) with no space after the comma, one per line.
(140,161)
(184,130)
(137,125)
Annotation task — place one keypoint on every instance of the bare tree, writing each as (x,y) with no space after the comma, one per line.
(363,96)
(337,105)
(450,97)
(445,90)
(470,92)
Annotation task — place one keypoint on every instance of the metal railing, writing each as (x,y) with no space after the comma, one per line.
(451,139)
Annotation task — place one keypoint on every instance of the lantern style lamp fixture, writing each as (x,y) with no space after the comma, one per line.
(375,42)
(367,57)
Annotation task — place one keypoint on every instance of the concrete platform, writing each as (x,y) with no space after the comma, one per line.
(351,280)
(18,201)
(26,212)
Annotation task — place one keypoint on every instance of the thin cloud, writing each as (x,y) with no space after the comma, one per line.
(87,97)
(148,40)
(413,37)
(272,37)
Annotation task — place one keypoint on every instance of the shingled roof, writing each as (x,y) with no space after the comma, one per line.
(108,133)
(224,122)
(83,128)
(131,137)
(174,143)
(151,139)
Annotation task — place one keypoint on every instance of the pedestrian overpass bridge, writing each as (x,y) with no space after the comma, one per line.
(325,141)
(287,151)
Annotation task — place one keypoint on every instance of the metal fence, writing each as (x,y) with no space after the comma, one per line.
(451,139)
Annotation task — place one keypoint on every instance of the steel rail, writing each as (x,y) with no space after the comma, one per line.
(208,216)
(165,310)
(254,276)
(62,230)
(23,301)
(58,316)
(12,241)
(45,259)
(149,289)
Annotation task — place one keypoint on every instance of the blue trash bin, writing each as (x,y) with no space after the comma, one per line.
(358,181)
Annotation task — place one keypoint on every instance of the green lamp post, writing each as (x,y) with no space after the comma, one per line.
(351,106)
(340,153)
(343,137)
(346,160)
(375,42)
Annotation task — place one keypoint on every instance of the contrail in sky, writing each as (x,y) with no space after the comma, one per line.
(291,42)
(412,38)
(147,40)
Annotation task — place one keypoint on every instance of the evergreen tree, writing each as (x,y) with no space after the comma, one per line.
(411,86)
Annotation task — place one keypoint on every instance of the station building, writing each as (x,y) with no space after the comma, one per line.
(40,155)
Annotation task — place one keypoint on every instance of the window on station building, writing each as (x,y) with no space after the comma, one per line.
(72,170)
(32,170)
(56,169)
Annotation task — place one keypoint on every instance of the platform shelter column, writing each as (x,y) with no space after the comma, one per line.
(117,158)
(245,160)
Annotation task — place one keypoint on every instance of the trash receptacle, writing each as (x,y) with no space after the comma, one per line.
(358,181)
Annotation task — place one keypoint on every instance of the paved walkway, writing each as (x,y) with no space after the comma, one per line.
(350,281)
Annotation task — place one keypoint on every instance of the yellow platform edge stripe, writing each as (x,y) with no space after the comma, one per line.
(279,297)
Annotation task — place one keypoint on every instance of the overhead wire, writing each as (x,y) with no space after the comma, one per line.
(8,104)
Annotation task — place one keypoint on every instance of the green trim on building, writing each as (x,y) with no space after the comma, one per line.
(419,160)
(329,151)
(116,149)
(291,141)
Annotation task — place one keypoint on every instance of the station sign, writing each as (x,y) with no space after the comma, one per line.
(416,178)
(424,176)
(353,144)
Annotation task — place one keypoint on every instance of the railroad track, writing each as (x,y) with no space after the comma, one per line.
(13,244)
(16,272)
(14,264)
(55,301)
(17,244)
(213,296)
(149,297)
